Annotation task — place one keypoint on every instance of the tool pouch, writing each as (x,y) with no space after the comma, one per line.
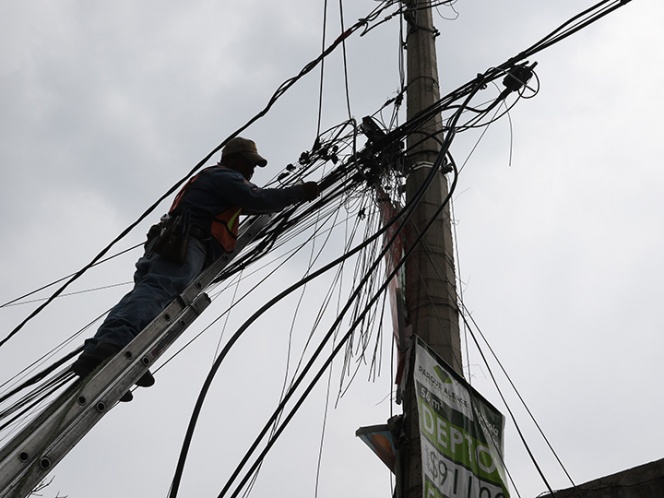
(170,238)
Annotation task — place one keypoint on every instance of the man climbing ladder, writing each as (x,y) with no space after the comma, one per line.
(201,224)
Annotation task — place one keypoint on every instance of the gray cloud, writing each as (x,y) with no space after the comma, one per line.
(105,106)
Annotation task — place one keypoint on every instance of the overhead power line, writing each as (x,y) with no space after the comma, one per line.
(355,171)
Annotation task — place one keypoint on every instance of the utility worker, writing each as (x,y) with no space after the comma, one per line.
(206,212)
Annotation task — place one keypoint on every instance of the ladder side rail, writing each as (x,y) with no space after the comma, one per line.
(30,455)
(74,416)
(151,343)
(247,234)
(163,321)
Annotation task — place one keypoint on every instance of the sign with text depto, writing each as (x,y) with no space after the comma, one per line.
(461,434)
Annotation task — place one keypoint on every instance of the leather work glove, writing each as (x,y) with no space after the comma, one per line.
(311,190)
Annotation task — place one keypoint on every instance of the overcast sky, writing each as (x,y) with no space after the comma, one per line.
(558,223)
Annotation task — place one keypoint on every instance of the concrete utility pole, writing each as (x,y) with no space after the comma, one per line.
(431,301)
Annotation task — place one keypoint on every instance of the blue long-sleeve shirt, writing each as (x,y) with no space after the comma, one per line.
(217,188)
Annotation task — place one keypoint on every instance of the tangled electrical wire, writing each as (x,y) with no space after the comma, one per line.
(355,171)
(516,73)
(374,294)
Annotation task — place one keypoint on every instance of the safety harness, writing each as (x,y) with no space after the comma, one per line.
(224,226)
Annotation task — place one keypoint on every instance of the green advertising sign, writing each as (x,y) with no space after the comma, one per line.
(461,434)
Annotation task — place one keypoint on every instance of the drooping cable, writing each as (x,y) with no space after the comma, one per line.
(326,408)
(514,388)
(39,376)
(467,313)
(533,459)
(322,71)
(566,35)
(36,398)
(20,300)
(591,15)
(69,294)
(281,90)
(343,340)
(345,59)
(41,387)
(513,417)
(407,209)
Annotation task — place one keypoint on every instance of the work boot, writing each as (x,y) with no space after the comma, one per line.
(86,363)
(145,380)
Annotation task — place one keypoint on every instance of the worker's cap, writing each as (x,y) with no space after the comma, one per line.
(244,147)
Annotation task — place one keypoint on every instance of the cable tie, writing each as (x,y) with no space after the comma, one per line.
(421,165)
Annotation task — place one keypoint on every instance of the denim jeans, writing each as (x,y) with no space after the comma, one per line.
(156,282)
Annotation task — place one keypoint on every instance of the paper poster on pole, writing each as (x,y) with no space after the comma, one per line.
(461,434)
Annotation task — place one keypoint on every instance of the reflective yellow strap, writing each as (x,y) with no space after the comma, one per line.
(234,218)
